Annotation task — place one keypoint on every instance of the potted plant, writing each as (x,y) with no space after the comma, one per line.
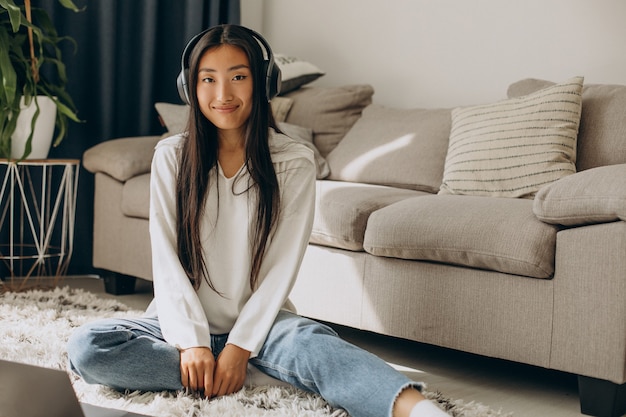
(31,66)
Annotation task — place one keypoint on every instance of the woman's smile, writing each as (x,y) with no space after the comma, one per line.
(226,109)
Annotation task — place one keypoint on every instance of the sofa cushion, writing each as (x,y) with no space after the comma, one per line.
(513,147)
(295,72)
(497,234)
(395,147)
(136,197)
(280,108)
(596,195)
(304,135)
(329,111)
(602,133)
(342,210)
(528,86)
(173,117)
(121,158)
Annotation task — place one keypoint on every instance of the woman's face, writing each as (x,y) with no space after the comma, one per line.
(225,87)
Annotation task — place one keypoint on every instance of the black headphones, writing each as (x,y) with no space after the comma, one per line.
(271,70)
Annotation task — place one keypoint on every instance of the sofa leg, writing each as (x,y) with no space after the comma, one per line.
(601,398)
(118,284)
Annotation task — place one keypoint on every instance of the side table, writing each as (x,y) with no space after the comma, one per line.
(37,213)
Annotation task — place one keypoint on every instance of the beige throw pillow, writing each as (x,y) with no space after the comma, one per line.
(403,148)
(329,111)
(513,147)
(280,108)
(304,135)
(597,195)
(295,72)
(602,132)
(173,116)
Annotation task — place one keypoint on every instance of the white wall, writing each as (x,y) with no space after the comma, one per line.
(442,53)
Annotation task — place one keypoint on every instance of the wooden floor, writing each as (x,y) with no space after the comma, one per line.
(525,391)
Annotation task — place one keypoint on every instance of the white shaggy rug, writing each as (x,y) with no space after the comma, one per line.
(35,326)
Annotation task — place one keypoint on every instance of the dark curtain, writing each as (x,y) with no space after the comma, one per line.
(127,58)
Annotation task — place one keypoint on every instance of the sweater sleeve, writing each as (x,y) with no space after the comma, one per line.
(283,256)
(181,316)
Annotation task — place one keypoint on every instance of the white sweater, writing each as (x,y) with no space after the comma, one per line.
(187,317)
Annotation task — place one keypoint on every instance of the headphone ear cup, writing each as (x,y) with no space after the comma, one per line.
(274,81)
(181,85)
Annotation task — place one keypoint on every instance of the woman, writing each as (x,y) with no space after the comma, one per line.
(231,211)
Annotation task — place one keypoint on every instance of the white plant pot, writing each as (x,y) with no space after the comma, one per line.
(44,129)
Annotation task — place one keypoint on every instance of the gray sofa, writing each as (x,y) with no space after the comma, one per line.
(403,246)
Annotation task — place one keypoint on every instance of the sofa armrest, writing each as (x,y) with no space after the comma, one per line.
(121,158)
(597,195)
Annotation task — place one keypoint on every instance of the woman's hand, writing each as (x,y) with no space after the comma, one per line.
(230,371)
(197,366)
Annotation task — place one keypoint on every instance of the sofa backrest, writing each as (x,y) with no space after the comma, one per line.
(602,132)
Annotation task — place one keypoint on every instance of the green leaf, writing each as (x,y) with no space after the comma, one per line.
(62,129)
(69,4)
(63,109)
(60,67)
(28,146)
(9,77)
(15,14)
(8,128)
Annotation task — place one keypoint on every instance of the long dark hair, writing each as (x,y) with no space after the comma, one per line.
(199,155)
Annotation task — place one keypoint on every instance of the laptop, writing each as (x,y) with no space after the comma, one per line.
(33,391)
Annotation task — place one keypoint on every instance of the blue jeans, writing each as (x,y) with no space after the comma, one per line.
(131,354)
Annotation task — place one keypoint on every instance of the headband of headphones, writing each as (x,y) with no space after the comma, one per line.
(270,69)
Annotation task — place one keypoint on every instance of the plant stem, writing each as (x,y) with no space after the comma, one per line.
(33,58)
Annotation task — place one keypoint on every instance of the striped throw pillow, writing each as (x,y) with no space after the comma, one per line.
(514,147)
